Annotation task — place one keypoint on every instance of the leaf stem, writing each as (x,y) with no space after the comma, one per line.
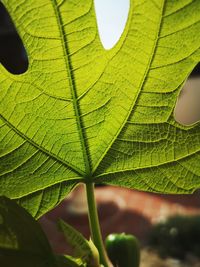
(94,224)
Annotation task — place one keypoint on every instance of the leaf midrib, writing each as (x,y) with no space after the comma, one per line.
(69,69)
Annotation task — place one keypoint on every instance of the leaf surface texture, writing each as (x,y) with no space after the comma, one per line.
(81,113)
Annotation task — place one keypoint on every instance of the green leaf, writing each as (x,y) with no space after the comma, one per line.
(82,113)
(83,249)
(22,241)
(69,261)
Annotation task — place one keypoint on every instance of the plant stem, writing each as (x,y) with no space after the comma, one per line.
(94,224)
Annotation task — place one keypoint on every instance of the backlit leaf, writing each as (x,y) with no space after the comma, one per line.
(82,113)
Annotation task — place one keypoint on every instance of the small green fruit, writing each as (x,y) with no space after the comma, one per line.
(123,250)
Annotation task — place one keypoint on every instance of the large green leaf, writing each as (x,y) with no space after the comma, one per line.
(81,113)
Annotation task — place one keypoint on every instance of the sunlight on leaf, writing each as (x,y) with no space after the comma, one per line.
(82,113)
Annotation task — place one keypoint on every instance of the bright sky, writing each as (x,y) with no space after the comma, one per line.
(111,17)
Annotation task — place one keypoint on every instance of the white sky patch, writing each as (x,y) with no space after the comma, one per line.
(111,19)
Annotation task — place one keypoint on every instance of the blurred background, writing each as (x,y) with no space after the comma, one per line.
(168,226)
